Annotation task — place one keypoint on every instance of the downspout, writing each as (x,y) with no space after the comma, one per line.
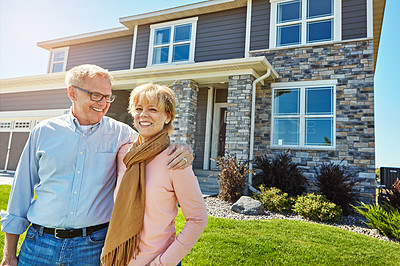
(252,126)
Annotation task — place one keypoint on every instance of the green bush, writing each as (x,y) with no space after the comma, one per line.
(274,199)
(316,207)
(385,218)
(232,177)
(335,182)
(281,173)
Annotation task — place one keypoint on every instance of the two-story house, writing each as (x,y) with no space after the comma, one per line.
(252,77)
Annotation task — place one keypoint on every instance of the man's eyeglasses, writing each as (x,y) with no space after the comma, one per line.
(97,97)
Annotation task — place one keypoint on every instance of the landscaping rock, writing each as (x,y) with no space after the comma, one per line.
(249,206)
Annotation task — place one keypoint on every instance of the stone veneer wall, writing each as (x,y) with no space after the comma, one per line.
(186,108)
(352,64)
(238,116)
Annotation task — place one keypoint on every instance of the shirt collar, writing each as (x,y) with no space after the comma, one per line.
(75,123)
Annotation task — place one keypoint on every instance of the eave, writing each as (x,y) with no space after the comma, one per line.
(181,12)
(379,9)
(213,73)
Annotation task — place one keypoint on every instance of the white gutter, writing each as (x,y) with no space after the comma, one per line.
(252,126)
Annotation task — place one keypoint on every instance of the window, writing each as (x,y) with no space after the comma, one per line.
(303,114)
(172,42)
(58,61)
(300,22)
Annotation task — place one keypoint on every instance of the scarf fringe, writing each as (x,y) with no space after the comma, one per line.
(123,253)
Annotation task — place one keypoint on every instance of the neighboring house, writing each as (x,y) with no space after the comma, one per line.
(309,62)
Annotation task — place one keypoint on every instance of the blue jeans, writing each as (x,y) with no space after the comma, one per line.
(44,249)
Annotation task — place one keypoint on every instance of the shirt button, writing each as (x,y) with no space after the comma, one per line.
(81,153)
(79,172)
(75,192)
(71,213)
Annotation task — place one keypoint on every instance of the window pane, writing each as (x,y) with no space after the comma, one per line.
(58,67)
(160,55)
(182,33)
(287,102)
(319,131)
(181,52)
(161,36)
(286,131)
(289,35)
(319,31)
(319,101)
(289,11)
(319,8)
(59,56)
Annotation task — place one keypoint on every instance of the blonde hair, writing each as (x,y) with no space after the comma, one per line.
(76,76)
(162,95)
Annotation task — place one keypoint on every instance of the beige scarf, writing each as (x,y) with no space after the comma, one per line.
(123,237)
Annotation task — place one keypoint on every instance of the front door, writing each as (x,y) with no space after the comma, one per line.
(218,132)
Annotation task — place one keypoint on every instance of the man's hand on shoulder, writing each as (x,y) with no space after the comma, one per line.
(180,156)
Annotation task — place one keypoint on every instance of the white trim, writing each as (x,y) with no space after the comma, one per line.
(248,28)
(337,20)
(172,24)
(134,41)
(207,141)
(215,131)
(18,115)
(51,64)
(301,85)
(370,19)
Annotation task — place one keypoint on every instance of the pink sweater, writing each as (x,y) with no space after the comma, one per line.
(164,189)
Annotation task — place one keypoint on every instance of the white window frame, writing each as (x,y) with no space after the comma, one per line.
(172,24)
(52,62)
(303,85)
(337,23)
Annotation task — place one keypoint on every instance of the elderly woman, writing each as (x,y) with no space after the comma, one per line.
(142,229)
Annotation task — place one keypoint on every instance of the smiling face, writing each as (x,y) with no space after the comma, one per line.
(89,112)
(149,118)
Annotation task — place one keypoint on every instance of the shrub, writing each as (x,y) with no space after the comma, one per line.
(392,195)
(385,218)
(282,173)
(316,207)
(231,177)
(335,183)
(274,199)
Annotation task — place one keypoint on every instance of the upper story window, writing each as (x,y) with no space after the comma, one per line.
(172,42)
(303,114)
(300,22)
(58,61)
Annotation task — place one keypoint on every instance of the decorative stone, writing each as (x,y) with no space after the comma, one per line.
(248,206)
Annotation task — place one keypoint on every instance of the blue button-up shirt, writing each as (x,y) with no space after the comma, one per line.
(71,171)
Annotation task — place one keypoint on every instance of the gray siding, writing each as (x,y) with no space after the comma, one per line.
(354,19)
(221,96)
(221,35)
(119,108)
(199,135)
(260,25)
(112,54)
(35,100)
(142,46)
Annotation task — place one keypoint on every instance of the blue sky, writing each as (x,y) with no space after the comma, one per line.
(23,23)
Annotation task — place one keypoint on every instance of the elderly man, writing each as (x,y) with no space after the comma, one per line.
(69,164)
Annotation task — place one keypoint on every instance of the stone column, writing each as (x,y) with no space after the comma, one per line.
(186,107)
(237,141)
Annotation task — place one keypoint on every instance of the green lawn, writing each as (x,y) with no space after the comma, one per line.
(278,242)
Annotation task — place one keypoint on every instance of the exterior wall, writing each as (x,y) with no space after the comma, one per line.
(112,54)
(352,64)
(35,100)
(119,108)
(185,120)
(142,46)
(260,25)
(354,19)
(238,116)
(221,35)
(200,132)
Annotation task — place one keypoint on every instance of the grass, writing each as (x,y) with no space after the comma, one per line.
(278,242)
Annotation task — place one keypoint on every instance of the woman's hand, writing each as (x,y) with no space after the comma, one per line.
(180,156)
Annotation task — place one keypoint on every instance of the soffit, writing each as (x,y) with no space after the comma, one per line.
(212,73)
(379,9)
